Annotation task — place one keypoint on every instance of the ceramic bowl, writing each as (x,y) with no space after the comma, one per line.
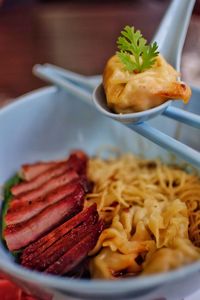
(47,124)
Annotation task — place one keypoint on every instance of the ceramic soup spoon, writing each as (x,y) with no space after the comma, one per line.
(170,37)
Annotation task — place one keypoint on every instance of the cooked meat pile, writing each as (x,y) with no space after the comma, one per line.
(46,216)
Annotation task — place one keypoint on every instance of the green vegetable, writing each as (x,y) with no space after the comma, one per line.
(7,198)
(134,52)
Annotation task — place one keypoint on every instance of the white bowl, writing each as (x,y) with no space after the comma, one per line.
(47,124)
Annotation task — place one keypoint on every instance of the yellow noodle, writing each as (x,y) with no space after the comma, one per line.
(152,216)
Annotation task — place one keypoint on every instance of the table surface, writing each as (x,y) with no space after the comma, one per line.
(77,35)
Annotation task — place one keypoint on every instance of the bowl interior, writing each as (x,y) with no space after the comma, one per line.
(49,123)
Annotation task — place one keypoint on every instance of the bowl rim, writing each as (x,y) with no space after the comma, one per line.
(101,287)
(28,97)
(96,286)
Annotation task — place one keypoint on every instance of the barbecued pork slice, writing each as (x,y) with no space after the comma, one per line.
(27,186)
(31,171)
(81,270)
(77,253)
(77,160)
(26,210)
(38,247)
(46,188)
(22,234)
(86,184)
(55,251)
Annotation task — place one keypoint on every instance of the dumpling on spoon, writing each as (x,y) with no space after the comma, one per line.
(138,78)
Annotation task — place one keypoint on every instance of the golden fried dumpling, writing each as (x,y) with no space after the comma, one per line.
(128,92)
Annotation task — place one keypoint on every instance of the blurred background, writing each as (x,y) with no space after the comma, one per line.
(77,35)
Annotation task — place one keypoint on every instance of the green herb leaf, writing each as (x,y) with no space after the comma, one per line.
(134,52)
(8,196)
(6,201)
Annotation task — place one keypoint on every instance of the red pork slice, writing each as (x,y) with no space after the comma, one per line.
(49,186)
(45,242)
(41,179)
(77,160)
(31,171)
(22,234)
(77,253)
(43,261)
(9,291)
(24,297)
(27,210)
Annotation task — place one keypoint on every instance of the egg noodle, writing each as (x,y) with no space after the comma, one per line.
(152,216)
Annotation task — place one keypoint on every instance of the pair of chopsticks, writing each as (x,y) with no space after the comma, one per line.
(83,86)
(77,84)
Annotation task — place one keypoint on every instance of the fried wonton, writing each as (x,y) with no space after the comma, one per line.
(128,92)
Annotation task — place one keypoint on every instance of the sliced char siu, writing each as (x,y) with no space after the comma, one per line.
(20,235)
(47,187)
(77,253)
(53,193)
(77,161)
(81,270)
(65,243)
(24,211)
(38,247)
(31,171)
(27,186)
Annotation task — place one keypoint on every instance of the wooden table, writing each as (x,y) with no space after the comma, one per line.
(79,36)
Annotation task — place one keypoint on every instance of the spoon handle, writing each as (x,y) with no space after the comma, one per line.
(53,77)
(173,29)
(72,76)
(183,151)
(182,116)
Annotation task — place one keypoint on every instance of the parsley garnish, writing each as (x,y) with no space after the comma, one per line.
(134,52)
